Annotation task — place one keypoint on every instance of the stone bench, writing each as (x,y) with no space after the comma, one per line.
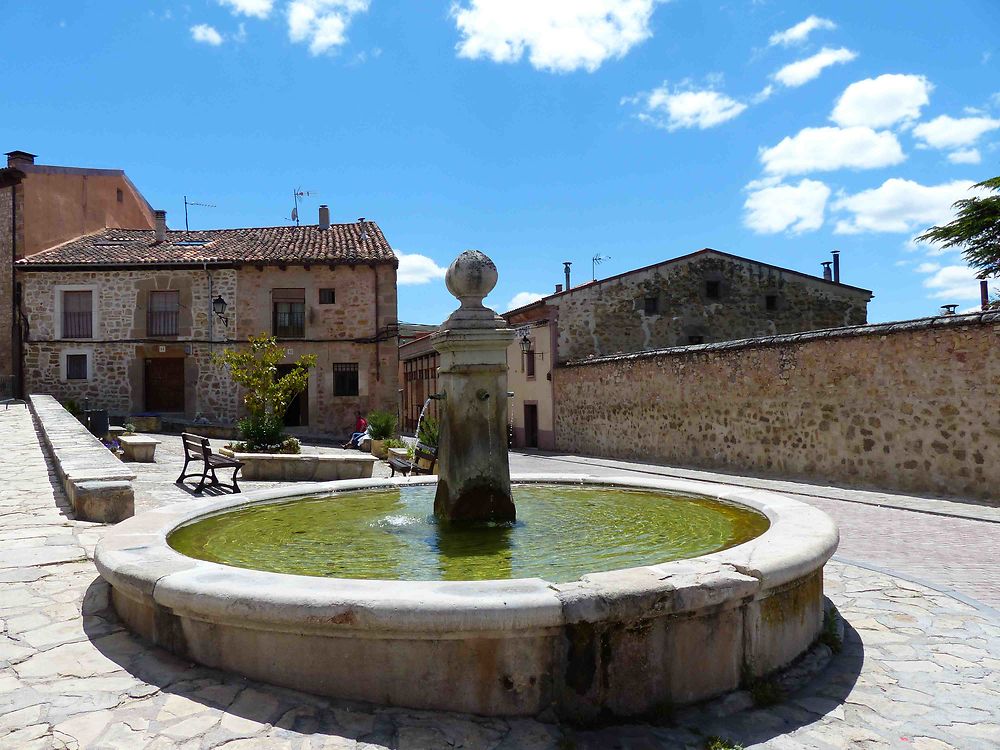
(138,448)
(98,485)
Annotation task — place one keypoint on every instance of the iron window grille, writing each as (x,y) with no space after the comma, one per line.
(76,367)
(77,315)
(345,379)
(163,312)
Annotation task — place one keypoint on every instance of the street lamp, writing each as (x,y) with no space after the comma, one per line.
(219,306)
(525,343)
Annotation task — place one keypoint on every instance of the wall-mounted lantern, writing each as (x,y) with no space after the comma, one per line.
(525,343)
(219,306)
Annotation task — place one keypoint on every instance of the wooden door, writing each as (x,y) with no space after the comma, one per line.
(530,426)
(297,414)
(165,384)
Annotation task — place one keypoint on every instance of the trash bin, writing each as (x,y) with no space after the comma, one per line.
(98,422)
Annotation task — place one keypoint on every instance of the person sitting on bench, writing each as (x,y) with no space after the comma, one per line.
(360,430)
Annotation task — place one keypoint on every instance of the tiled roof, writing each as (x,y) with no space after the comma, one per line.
(340,244)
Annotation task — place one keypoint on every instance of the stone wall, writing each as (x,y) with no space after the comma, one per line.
(7,368)
(907,406)
(609,316)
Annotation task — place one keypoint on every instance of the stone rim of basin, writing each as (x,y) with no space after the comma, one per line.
(136,559)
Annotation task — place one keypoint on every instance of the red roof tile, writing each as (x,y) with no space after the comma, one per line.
(340,244)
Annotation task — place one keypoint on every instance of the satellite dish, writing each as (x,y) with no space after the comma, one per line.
(295,214)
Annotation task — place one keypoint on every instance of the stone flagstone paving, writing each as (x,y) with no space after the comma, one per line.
(919,669)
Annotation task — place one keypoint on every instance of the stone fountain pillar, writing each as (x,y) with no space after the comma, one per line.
(474,473)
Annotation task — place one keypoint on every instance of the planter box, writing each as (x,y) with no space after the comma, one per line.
(279,467)
(137,448)
(379,450)
(146,423)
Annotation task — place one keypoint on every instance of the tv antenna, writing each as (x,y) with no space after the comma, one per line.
(296,194)
(192,203)
(595,262)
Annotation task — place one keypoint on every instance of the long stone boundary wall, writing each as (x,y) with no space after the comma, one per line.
(911,406)
(98,485)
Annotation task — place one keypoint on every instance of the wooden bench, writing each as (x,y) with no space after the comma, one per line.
(196,448)
(421,453)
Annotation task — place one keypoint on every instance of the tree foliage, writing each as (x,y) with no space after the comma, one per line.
(256,370)
(976,229)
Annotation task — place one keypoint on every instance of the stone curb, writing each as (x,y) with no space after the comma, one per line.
(98,485)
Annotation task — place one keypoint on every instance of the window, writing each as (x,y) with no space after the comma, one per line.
(121,196)
(696,339)
(713,289)
(771,302)
(651,305)
(529,363)
(76,367)
(161,317)
(327,297)
(289,313)
(77,318)
(345,379)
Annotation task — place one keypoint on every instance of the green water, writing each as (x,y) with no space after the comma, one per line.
(562,532)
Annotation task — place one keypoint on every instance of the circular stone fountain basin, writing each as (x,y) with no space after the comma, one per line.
(639,630)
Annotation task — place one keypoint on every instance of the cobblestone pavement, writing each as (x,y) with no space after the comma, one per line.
(918,668)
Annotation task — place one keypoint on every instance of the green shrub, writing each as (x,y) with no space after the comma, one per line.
(430,432)
(718,743)
(129,429)
(382,425)
(262,433)
(290,446)
(395,443)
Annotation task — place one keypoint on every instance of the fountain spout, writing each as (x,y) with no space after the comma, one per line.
(436,397)
(474,476)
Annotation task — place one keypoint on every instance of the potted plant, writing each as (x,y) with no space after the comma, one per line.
(381,427)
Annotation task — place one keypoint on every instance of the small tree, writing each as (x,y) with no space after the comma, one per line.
(266,396)
(976,228)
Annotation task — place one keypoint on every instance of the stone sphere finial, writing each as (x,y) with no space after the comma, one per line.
(470,277)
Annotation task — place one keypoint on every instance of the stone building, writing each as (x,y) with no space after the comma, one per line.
(701,298)
(418,370)
(129,319)
(42,206)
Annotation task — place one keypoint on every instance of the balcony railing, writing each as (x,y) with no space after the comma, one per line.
(161,322)
(77,325)
(290,325)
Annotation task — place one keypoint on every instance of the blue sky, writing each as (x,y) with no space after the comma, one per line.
(537,130)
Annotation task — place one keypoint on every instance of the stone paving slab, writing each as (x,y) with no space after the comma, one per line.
(917,670)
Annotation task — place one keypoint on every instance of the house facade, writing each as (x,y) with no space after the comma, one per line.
(132,320)
(42,206)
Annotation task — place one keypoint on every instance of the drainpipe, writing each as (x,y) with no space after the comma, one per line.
(378,365)
(211,310)
(15,324)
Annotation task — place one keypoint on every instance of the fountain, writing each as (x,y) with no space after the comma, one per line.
(597,597)
(474,483)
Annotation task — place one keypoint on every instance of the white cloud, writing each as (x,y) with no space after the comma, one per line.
(803,71)
(558,35)
(954,283)
(883,101)
(673,109)
(417,269)
(966,156)
(826,149)
(777,208)
(899,205)
(322,23)
(206,34)
(255,8)
(949,132)
(928,267)
(800,31)
(523,298)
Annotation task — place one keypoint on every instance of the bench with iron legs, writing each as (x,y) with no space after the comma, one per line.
(196,448)
(422,454)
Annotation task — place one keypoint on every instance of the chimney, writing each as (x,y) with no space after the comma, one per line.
(161,225)
(364,228)
(558,288)
(566,265)
(19,158)
(948,309)
(827,273)
(324,217)
(836,266)
(984,294)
